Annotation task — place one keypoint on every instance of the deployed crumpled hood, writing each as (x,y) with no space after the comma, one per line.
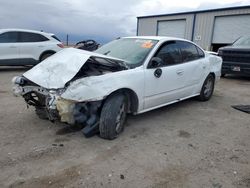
(55,71)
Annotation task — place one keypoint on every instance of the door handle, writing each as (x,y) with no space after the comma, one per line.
(180,72)
(13,47)
(40,46)
(158,73)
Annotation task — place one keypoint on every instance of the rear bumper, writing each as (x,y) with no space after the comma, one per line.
(238,68)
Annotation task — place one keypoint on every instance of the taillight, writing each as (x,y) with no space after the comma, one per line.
(60,45)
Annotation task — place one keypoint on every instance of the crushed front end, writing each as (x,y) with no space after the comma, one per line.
(63,87)
(50,105)
(42,99)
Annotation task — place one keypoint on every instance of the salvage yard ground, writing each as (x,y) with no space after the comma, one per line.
(189,144)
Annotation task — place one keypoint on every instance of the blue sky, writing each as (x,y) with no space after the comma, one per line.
(101,20)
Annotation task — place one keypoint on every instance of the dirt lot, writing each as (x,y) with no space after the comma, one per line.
(189,144)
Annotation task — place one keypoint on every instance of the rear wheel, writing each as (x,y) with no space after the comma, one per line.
(113,116)
(207,88)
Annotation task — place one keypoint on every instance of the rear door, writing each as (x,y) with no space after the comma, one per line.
(194,67)
(31,46)
(9,52)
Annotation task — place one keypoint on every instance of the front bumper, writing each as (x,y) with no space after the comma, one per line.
(39,97)
(229,67)
(54,107)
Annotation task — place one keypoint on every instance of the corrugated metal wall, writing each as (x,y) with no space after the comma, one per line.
(204,24)
(148,26)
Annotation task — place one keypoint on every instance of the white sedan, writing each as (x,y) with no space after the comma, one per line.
(128,75)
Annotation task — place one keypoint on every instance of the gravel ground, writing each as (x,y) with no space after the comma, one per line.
(188,144)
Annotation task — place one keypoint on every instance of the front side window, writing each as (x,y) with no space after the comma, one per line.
(169,53)
(32,37)
(189,51)
(9,37)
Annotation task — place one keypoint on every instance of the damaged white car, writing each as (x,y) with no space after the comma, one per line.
(128,75)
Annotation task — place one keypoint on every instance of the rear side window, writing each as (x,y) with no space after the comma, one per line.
(55,37)
(200,52)
(169,53)
(9,37)
(32,37)
(189,51)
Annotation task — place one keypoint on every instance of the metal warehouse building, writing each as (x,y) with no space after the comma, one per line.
(210,29)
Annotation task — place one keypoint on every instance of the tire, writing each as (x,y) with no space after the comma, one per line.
(41,113)
(207,88)
(113,116)
(45,56)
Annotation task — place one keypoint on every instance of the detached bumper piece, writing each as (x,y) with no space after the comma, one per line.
(85,114)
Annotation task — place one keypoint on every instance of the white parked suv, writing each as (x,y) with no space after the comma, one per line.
(127,75)
(26,47)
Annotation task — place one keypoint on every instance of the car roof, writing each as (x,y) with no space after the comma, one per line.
(25,30)
(159,38)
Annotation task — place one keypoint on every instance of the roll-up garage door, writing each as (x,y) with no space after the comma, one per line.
(228,28)
(172,28)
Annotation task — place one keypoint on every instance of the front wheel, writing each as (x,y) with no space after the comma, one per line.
(113,116)
(207,88)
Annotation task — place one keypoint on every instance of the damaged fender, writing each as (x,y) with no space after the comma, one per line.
(96,88)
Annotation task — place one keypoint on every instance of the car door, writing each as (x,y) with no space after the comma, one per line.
(9,52)
(31,46)
(194,67)
(164,80)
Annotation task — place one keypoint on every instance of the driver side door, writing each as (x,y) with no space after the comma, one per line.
(164,81)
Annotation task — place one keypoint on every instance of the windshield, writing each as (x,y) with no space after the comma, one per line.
(132,50)
(243,41)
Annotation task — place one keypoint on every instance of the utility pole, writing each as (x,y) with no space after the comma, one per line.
(67,39)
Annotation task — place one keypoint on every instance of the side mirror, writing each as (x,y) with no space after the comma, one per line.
(155,62)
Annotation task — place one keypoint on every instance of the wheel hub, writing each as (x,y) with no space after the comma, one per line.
(208,87)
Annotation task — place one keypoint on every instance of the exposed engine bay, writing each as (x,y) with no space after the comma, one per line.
(96,66)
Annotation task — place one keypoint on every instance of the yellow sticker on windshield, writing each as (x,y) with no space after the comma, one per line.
(147,44)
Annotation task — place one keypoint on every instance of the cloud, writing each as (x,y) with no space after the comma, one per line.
(106,19)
